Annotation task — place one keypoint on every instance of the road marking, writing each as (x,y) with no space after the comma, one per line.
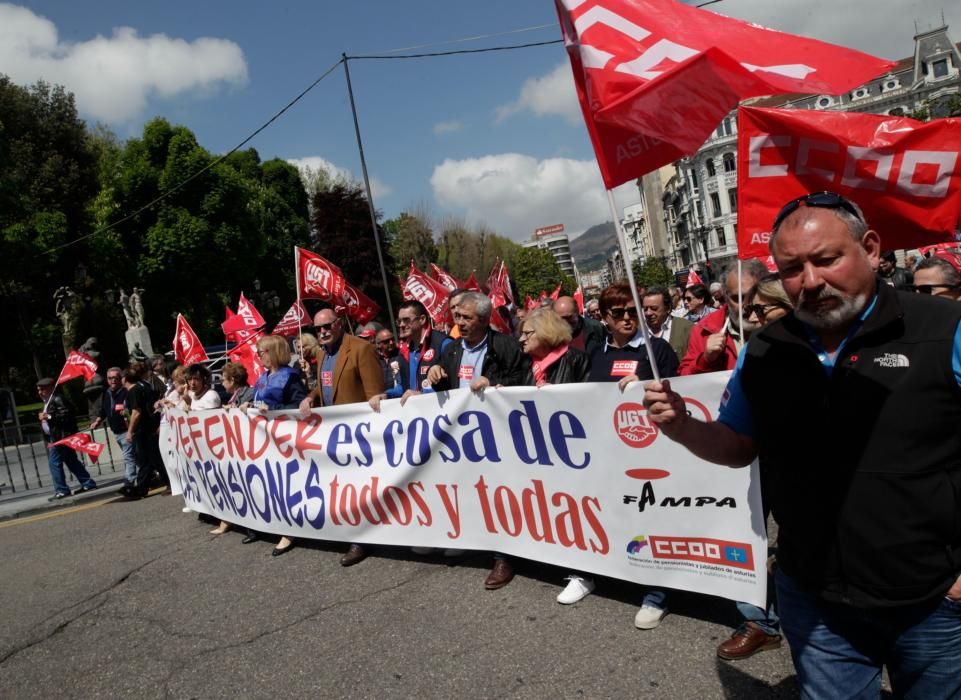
(66,511)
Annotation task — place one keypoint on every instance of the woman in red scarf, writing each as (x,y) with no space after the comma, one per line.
(546,337)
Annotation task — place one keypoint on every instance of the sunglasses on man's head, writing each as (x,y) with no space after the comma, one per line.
(824,200)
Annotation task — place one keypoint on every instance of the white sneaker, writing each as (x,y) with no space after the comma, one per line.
(649,617)
(454,552)
(185,509)
(578,588)
(423,551)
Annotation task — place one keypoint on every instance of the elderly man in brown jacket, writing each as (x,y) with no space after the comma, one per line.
(347,372)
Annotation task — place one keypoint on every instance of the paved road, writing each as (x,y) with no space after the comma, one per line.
(114,598)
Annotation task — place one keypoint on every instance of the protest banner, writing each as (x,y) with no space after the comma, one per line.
(78,364)
(573,475)
(904,174)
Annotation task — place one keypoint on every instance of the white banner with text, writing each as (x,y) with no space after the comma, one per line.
(571,475)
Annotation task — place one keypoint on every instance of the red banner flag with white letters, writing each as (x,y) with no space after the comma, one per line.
(432,294)
(530,304)
(241,325)
(904,174)
(557,292)
(246,354)
(78,364)
(472,284)
(187,347)
(83,443)
(295,319)
(656,77)
(693,278)
(228,314)
(445,278)
(360,307)
(318,278)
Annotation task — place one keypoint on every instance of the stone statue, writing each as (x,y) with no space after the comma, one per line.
(137,354)
(127,310)
(66,308)
(136,305)
(93,389)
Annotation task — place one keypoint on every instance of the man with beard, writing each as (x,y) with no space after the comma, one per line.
(853,400)
(716,339)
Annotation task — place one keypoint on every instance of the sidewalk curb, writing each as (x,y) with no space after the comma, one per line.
(33,506)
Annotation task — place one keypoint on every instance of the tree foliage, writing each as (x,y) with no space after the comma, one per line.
(535,270)
(411,237)
(652,272)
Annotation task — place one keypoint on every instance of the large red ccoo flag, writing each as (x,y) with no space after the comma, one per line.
(78,364)
(82,442)
(656,77)
(904,174)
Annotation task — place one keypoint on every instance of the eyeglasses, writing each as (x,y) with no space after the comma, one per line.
(620,311)
(262,352)
(929,288)
(406,321)
(385,341)
(113,377)
(825,200)
(688,299)
(526,334)
(760,310)
(324,326)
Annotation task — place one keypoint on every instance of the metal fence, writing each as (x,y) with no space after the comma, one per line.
(24,465)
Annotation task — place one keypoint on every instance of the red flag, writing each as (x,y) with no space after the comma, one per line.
(445,278)
(505,283)
(78,364)
(499,285)
(904,174)
(531,304)
(360,307)
(656,77)
(542,297)
(939,247)
(295,319)
(246,354)
(82,442)
(228,314)
(499,323)
(187,347)
(472,284)
(240,325)
(693,278)
(433,295)
(579,298)
(557,292)
(319,278)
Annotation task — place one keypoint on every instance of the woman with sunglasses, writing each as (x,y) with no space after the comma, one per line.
(545,337)
(767,301)
(624,359)
(279,387)
(698,301)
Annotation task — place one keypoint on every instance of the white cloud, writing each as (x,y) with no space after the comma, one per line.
(448,127)
(112,77)
(515,193)
(551,94)
(378,189)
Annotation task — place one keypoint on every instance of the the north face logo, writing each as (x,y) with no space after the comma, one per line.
(892,359)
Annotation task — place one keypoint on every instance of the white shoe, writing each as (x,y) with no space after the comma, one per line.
(423,551)
(578,588)
(185,509)
(649,617)
(453,552)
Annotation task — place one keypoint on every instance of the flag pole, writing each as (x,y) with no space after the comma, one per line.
(641,321)
(300,328)
(370,198)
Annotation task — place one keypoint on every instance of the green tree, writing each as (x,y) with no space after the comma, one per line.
(535,270)
(940,108)
(411,238)
(652,272)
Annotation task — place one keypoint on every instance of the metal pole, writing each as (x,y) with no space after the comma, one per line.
(641,321)
(370,199)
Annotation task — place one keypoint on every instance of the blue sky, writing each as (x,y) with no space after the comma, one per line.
(493,137)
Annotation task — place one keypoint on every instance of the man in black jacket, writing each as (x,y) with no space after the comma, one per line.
(479,359)
(853,401)
(58,420)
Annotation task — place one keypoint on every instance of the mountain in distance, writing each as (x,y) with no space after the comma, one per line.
(591,249)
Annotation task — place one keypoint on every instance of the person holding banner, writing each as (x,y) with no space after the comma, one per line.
(57,421)
(482,358)
(546,338)
(348,372)
(421,348)
(855,402)
(200,395)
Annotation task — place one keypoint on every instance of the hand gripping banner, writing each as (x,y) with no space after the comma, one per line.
(572,475)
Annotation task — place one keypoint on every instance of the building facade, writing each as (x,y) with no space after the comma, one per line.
(559,246)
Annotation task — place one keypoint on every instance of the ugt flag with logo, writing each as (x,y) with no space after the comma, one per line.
(656,77)
(318,278)
(432,294)
(904,174)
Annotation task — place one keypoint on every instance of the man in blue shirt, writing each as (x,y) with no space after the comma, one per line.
(853,401)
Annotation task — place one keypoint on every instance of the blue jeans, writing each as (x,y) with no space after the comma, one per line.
(57,457)
(766,620)
(655,598)
(129,461)
(839,650)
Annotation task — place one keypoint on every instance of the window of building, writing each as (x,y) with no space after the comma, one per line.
(721,239)
(709,165)
(699,208)
(724,128)
(732,198)
(890,85)
(716,204)
(824,102)
(860,93)
(694,179)
(730,165)
(940,68)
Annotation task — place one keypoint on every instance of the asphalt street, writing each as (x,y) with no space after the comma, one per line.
(114,598)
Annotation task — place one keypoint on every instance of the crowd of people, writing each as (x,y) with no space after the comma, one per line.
(865,484)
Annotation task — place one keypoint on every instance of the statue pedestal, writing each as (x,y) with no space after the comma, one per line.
(139,335)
